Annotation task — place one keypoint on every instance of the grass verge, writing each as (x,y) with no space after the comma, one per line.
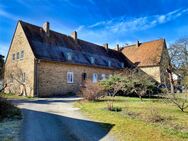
(150,119)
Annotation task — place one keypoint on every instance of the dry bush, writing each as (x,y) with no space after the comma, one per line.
(152,115)
(91,91)
(179,100)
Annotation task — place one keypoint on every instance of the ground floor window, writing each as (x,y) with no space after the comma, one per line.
(70,77)
(95,77)
(84,76)
(103,76)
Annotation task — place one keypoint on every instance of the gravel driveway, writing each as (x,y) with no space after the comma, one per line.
(55,119)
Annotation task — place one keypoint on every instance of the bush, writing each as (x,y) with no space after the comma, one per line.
(8,110)
(131,82)
(91,91)
(111,107)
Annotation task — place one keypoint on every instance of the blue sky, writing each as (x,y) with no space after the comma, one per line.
(99,21)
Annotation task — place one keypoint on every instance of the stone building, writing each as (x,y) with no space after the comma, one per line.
(42,62)
(152,57)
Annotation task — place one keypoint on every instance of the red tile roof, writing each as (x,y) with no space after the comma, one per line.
(146,54)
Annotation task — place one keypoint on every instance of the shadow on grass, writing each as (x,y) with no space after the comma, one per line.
(43,126)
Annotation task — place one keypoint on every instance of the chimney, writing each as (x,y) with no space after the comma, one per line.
(46,28)
(74,36)
(117,47)
(105,46)
(137,43)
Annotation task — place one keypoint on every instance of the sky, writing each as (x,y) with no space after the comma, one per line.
(99,21)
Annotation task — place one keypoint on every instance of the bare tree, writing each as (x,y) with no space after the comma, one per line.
(17,79)
(179,56)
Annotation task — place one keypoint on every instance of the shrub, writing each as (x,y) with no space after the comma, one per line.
(179,100)
(111,107)
(91,91)
(8,110)
(132,82)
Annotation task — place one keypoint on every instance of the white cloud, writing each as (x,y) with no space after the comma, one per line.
(5,14)
(122,24)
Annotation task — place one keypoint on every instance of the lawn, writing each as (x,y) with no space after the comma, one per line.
(147,120)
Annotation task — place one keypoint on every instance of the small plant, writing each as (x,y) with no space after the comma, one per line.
(111,107)
(179,100)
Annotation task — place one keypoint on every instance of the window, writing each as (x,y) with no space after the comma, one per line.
(92,60)
(103,76)
(109,63)
(95,77)
(17,55)
(110,75)
(22,54)
(13,57)
(84,76)
(122,65)
(69,56)
(70,77)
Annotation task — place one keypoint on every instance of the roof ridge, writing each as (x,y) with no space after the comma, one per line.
(144,42)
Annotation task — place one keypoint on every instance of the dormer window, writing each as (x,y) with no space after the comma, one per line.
(92,60)
(69,56)
(109,63)
(122,65)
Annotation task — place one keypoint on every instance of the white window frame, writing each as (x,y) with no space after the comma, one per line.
(17,55)
(69,56)
(122,65)
(69,75)
(103,76)
(92,59)
(109,63)
(95,77)
(21,54)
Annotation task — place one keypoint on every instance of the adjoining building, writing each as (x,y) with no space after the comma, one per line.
(152,57)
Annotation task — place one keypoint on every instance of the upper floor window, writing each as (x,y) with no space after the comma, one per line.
(13,57)
(92,60)
(17,55)
(122,65)
(95,77)
(69,56)
(109,63)
(22,54)
(70,77)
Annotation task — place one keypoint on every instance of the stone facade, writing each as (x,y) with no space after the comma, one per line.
(153,71)
(19,66)
(56,82)
(31,76)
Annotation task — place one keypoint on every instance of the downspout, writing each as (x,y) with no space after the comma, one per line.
(36,77)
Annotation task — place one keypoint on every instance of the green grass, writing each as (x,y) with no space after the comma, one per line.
(147,120)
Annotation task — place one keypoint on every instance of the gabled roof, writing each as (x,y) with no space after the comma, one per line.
(57,46)
(146,54)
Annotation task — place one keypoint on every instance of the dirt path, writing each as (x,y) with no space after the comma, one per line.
(55,119)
